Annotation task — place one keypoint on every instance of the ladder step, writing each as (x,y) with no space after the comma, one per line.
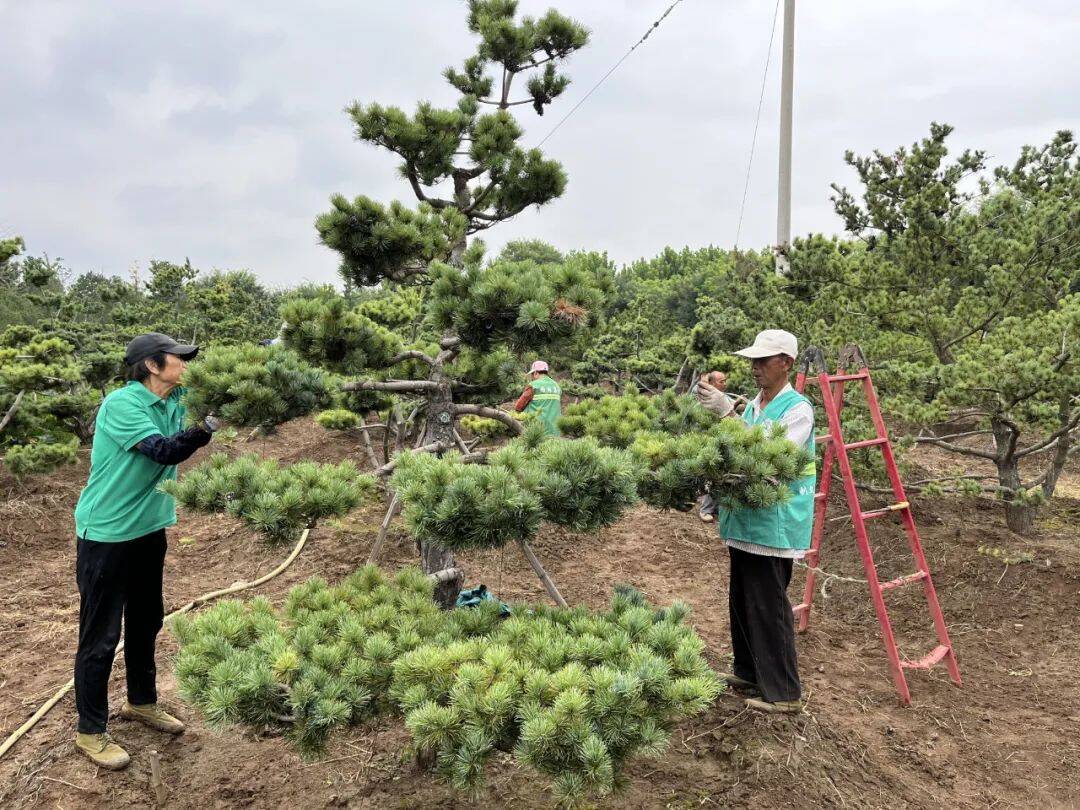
(862,375)
(936,654)
(824,437)
(797,609)
(866,443)
(819,496)
(896,583)
(876,513)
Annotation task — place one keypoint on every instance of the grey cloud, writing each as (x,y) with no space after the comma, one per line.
(137,130)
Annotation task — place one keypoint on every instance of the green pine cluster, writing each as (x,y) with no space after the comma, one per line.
(338,419)
(331,334)
(253,385)
(612,420)
(43,431)
(520,304)
(739,465)
(616,420)
(278,501)
(577,484)
(396,309)
(487,429)
(573,694)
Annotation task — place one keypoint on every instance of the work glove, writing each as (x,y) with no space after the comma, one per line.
(713,399)
(211,424)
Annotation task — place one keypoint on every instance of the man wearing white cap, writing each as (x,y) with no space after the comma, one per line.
(764,542)
(542,396)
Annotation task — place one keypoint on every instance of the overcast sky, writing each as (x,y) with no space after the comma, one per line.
(134,130)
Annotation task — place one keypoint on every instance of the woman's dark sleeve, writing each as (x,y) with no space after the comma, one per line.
(174,449)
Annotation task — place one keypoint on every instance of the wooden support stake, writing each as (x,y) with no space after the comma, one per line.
(367,444)
(553,592)
(376,549)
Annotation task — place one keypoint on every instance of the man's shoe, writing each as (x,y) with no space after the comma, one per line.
(152,715)
(706,517)
(775,707)
(735,682)
(102,751)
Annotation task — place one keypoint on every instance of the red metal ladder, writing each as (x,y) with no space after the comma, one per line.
(812,369)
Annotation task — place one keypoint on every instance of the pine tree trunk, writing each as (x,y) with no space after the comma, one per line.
(439,427)
(1019,517)
(1061,451)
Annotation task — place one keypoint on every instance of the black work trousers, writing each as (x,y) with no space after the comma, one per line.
(762,627)
(117,581)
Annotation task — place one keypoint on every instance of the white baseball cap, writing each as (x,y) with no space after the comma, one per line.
(772,342)
(538,366)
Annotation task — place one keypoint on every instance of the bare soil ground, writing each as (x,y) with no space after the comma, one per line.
(1009,737)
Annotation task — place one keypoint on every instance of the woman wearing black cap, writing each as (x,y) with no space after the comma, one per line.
(120,525)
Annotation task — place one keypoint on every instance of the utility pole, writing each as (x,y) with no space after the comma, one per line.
(783,200)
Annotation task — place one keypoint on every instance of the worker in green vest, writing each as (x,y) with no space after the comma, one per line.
(542,396)
(764,543)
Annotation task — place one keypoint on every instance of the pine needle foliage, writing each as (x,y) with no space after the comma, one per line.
(278,501)
(338,419)
(739,465)
(687,451)
(253,385)
(483,428)
(573,694)
(612,420)
(520,304)
(42,432)
(330,334)
(577,484)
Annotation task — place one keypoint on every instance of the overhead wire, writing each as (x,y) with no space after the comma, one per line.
(757,122)
(611,70)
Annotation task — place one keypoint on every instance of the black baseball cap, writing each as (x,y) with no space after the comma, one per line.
(154,342)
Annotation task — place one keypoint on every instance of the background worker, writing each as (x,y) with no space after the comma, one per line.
(542,396)
(120,525)
(763,543)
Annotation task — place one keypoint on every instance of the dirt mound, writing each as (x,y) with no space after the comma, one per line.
(1008,737)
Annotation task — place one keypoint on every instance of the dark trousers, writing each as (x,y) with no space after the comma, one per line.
(117,580)
(762,627)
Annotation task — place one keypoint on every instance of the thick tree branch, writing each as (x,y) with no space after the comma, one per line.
(491,413)
(397,386)
(951,436)
(1051,440)
(956,448)
(414,181)
(411,354)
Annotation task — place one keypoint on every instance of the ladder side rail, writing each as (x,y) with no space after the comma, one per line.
(912,532)
(863,542)
(821,506)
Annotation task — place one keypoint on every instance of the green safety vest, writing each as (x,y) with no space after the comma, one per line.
(546,403)
(787,525)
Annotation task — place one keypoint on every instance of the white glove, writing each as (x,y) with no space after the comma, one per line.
(713,399)
(211,424)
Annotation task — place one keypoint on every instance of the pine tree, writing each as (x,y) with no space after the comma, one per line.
(482,314)
(964,296)
(44,398)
